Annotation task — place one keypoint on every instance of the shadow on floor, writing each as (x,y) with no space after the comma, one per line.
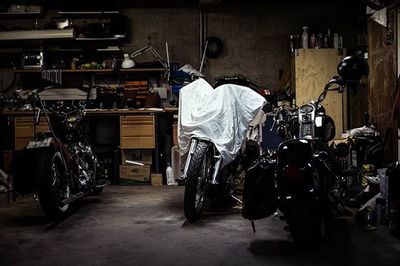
(337,251)
(15,219)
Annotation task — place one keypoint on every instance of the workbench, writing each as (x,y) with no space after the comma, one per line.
(149,128)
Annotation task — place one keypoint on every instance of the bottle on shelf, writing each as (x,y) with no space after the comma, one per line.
(313,41)
(328,39)
(304,37)
(335,40)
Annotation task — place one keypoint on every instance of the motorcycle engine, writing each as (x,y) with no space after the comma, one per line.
(87,163)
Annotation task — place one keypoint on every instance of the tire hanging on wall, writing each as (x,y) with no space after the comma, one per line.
(214,47)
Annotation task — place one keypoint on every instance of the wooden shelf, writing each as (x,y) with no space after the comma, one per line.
(100,39)
(36,35)
(9,15)
(158,69)
(88,13)
(93,70)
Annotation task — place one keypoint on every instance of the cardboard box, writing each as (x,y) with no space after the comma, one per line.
(135,172)
(156,179)
(137,155)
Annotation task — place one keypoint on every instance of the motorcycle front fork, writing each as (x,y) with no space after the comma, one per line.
(217,164)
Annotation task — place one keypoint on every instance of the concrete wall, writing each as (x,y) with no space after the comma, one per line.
(256,36)
(177,26)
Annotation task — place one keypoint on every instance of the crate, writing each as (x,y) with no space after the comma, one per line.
(135,173)
(137,155)
(156,179)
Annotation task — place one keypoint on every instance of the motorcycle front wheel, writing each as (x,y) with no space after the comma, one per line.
(52,184)
(197,178)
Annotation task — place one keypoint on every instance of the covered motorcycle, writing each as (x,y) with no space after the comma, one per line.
(212,127)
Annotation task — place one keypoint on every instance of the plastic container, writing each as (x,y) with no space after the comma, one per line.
(304,37)
(170,178)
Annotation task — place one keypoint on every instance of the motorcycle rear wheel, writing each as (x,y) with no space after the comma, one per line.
(197,178)
(308,224)
(52,184)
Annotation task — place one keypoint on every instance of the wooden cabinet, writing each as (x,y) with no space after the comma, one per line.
(23,128)
(137,132)
(311,70)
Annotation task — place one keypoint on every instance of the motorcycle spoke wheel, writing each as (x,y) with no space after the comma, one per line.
(198,175)
(202,183)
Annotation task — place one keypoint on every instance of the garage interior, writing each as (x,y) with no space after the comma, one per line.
(109,81)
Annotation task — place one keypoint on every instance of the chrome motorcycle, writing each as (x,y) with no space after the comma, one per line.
(61,169)
(299,179)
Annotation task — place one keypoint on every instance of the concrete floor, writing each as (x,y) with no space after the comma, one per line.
(145,226)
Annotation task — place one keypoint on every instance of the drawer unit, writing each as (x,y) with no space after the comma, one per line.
(23,128)
(137,132)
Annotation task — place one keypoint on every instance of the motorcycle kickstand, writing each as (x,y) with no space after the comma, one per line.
(253,226)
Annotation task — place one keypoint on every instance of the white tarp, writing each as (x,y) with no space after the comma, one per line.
(221,115)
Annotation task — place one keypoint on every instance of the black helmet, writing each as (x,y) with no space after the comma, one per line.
(352,68)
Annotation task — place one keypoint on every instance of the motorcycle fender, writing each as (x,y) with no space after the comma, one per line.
(295,170)
(299,184)
(24,164)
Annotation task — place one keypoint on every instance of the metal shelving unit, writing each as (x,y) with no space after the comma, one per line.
(94,70)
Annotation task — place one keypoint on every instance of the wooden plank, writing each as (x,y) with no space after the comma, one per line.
(382,84)
(137,143)
(137,130)
(137,119)
(313,68)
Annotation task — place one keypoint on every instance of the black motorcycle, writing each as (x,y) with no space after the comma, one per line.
(61,169)
(299,178)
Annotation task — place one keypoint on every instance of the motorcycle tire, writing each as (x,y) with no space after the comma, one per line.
(197,181)
(52,184)
(308,225)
